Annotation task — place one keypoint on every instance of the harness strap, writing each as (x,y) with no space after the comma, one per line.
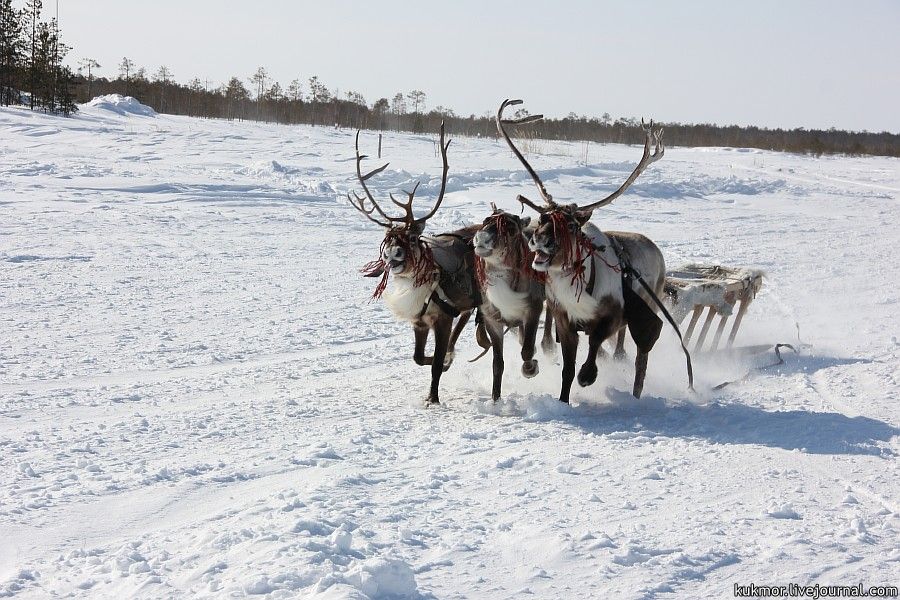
(443,305)
(628,270)
(593,278)
(428,302)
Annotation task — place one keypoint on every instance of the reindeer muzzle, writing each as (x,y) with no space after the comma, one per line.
(484,244)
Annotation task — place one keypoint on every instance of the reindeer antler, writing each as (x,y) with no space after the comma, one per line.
(548,199)
(647,159)
(360,203)
(652,138)
(408,219)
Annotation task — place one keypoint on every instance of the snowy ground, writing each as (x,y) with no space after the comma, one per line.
(197,398)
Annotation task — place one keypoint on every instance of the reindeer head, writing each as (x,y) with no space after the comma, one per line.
(403,252)
(557,241)
(502,237)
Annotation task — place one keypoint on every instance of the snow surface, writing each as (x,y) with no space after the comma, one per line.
(197,398)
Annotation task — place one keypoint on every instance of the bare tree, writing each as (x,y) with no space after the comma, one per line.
(89,64)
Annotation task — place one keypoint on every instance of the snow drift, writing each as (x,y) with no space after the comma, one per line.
(121,105)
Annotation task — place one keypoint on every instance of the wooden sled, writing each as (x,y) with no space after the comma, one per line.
(718,290)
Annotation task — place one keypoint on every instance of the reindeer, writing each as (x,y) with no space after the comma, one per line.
(513,292)
(590,274)
(433,276)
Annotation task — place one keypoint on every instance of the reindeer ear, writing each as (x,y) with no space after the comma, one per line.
(524,222)
(416,229)
(583,216)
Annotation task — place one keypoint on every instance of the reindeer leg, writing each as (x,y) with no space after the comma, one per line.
(644,332)
(442,329)
(529,328)
(421,333)
(588,373)
(495,332)
(619,354)
(457,330)
(548,342)
(640,372)
(568,341)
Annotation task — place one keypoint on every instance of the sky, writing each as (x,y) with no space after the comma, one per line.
(772,63)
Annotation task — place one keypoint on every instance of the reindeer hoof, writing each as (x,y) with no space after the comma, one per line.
(549,348)
(431,401)
(587,375)
(530,368)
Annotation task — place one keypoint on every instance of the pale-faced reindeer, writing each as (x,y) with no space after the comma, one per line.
(433,278)
(513,291)
(592,276)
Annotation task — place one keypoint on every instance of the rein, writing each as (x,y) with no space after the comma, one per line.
(624,267)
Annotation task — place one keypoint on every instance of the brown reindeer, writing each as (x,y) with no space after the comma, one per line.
(513,291)
(432,277)
(592,275)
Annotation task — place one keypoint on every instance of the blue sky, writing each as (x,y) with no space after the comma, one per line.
(770,63)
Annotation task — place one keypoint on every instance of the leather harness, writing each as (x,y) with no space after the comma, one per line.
(435,295)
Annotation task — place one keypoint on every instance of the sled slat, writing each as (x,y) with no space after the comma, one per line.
(715,343)
(705,329)
(694,318)
(745,302)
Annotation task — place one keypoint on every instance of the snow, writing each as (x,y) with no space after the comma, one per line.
(121,105)
(198,399)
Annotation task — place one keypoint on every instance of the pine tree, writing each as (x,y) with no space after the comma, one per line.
(163,77)
(295,91)
(31,20)
(10,52)
(126,67)
(236,95)
(380,109)
(398,107)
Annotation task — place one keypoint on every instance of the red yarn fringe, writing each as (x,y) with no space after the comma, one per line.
(518,257)
(575,249)
(423,265)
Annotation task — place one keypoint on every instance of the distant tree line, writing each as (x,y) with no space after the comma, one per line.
(31,55)
(31,60)
(310,101)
